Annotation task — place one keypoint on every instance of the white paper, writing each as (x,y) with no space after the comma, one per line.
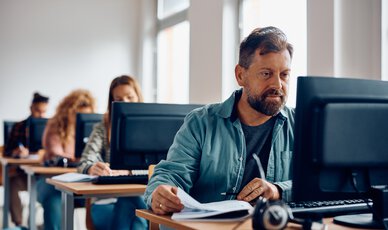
(193,209)
(73,177)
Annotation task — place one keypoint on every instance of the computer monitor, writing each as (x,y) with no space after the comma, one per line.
(340,138)
(142,133)
(36,128)
(83,128)
(7,130)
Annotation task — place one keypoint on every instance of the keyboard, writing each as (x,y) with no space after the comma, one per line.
(329,208)
(126,179)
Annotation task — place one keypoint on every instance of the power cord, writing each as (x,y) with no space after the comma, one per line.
(354,184)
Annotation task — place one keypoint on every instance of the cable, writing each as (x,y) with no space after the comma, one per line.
(354,184)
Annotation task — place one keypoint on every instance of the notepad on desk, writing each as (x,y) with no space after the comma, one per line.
(228,210)
(73,177)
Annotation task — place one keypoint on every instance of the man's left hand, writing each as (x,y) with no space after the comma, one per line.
(258,187)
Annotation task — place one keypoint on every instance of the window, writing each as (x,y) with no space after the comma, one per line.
(291,18)
(172,75)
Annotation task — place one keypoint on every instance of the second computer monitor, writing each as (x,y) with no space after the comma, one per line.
(7,130)
(142,133)
(36,128)
(83,128)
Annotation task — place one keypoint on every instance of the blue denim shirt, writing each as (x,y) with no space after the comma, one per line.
(208,154)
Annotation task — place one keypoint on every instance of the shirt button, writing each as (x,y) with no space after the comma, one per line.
(234,189)
(240,159)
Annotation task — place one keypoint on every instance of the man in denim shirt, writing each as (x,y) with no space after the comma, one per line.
(212,152)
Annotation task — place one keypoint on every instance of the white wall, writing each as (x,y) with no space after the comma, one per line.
(205,19)
(214,41)
(344,38)
(54,46)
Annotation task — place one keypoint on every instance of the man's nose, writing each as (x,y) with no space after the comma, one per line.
(276,82)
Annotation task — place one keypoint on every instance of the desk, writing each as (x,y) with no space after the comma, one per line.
(7,162)
(166,220)
(33,174)
(71,191)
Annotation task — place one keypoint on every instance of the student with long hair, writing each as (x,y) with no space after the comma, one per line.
(120,213)
(59,144)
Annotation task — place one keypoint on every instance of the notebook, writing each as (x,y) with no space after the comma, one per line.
(228,210)
(73,177)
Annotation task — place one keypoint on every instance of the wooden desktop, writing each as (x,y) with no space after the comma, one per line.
(156,220)
(33,174)
(71,191)
(7,163)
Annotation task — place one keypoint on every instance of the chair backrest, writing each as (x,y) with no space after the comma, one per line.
(1,168)
(150,170)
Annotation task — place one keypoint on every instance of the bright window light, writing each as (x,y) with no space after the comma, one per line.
(173,64)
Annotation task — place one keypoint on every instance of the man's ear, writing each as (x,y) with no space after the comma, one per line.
(239,73)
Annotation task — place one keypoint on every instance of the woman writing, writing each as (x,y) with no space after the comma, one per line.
(119,214)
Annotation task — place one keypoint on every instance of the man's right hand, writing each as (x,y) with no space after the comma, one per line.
(165,200)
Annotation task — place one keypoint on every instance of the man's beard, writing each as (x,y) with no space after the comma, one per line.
(269,108)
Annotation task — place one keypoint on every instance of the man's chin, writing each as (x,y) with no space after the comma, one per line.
(271,109)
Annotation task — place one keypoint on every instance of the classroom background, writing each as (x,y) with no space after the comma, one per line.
(180,51)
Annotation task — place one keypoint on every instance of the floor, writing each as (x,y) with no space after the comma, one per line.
(79,214)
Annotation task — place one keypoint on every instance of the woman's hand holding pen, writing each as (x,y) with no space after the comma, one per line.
(100,169)
(165,200)
(258,187)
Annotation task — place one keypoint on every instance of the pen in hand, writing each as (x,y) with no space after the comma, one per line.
(229,193)
(261,174)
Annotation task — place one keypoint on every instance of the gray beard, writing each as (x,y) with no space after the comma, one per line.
(268,108)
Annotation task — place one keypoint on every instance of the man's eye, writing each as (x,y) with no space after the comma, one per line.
(265,74)
(285,75)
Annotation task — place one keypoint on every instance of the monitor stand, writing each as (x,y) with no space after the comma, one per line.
(358,221)
(377,220)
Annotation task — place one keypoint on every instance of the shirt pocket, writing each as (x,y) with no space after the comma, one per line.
(285,169)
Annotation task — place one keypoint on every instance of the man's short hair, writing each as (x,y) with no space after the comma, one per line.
(267,40)
(38,98)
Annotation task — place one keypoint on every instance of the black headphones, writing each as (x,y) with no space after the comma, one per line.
(275,214)
(270,214)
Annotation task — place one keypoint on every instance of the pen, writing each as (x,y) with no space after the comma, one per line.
(261,170)
(229,193)
(261,173)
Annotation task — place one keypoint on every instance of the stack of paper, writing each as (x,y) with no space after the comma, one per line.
(73,177)
(228,210)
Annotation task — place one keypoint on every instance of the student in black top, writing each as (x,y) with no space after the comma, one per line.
(16,146)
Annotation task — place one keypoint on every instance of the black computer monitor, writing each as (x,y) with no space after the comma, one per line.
(340,138)
(36,128)
(83,127)
(142,133)
(7,130)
